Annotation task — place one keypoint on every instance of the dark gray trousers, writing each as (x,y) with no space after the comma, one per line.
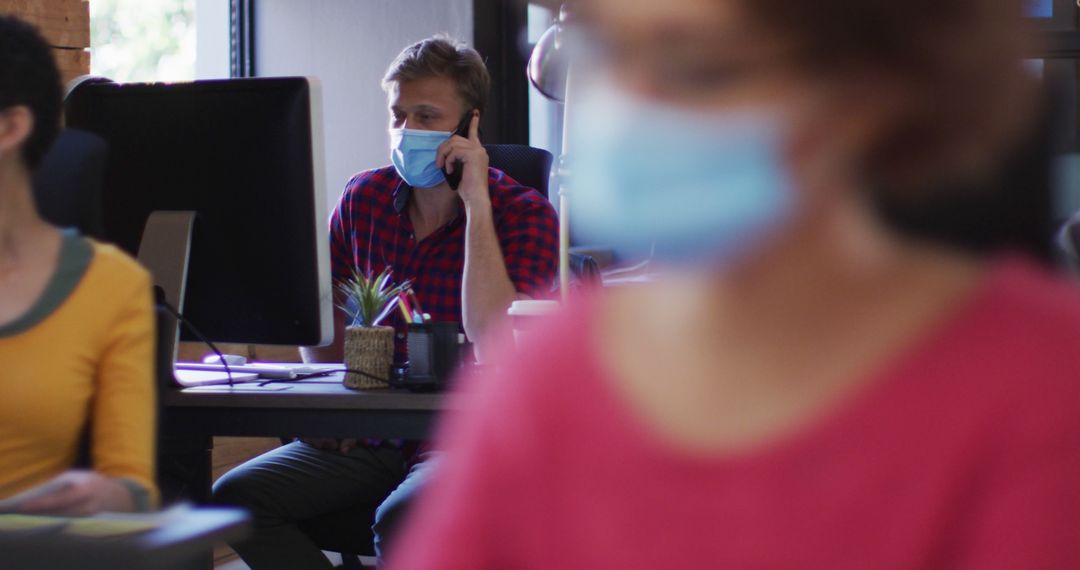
(297,482)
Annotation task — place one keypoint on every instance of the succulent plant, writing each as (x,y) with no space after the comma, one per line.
(367,299)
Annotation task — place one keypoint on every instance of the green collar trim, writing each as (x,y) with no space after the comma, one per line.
(76,253)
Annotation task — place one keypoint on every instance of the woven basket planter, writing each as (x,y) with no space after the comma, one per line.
(369,350)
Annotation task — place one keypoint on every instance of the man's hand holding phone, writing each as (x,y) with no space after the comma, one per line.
(466,157)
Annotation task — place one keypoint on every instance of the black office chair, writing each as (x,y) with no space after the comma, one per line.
(532,167)
(529,166)
(68,182)
(67,188)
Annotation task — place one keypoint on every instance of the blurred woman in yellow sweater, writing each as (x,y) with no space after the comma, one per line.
(76,326)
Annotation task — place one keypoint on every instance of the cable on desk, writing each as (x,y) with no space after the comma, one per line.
(159,295)
(324,373)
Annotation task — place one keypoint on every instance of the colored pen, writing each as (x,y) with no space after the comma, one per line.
(415,302)
(408,305)
(404,310)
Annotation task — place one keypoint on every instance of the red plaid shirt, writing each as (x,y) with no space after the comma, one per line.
(371,224)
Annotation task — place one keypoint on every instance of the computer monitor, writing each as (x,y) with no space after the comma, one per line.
(245,155)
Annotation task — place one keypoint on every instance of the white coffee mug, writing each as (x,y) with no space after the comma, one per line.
(526,315)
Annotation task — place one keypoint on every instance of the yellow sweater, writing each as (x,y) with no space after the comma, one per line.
(81,358)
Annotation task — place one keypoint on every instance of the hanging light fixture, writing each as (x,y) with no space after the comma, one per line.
(549,72)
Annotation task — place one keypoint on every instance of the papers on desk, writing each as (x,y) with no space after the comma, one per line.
(192,378)
(300,373)
(16,523)
(201,374)
(219,389)
(619,280)
(100,526)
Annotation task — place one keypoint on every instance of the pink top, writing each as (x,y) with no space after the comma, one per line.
(963,454)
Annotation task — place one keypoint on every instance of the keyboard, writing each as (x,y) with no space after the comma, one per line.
(263,370)
(189,378)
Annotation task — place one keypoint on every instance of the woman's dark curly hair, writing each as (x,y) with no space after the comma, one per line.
(29,77)
(965,94)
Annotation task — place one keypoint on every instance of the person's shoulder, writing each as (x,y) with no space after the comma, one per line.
(1036,297)
(115,283)
(1025,340)
(116,265)
(368,189)
(375,180)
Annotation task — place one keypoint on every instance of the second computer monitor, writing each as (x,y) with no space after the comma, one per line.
(246,156)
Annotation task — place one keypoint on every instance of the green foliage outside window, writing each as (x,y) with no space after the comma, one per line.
(143,40)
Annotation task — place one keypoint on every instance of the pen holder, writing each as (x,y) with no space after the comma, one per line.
(433,354)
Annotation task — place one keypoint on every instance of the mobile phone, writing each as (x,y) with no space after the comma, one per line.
(454,178)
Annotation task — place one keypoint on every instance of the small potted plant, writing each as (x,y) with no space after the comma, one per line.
(369,347)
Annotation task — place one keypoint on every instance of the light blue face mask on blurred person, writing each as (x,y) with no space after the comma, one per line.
(694,188)
(413,154)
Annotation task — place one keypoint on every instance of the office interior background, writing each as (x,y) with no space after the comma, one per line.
(347,44)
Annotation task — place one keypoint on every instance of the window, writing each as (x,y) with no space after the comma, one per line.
(159,40)
(1052,14)
(1060,70)
(1039,8)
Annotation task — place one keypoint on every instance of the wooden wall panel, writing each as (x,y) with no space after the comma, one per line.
(65,25)
(72,62)
(195,351)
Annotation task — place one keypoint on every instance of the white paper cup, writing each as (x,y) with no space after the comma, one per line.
(526,317)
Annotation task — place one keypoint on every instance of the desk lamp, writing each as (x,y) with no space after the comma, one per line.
(549,72)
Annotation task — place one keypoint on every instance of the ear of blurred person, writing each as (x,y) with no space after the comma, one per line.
(16,124)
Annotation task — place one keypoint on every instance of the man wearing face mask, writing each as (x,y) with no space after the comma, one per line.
(470,245)
(468,251)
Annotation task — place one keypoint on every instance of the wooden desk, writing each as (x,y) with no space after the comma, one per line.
(317,407)
(314,407)
(180,543)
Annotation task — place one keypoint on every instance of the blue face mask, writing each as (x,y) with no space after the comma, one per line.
(413,155)
(693,189)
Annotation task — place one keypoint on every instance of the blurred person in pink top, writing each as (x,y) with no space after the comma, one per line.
(804,387)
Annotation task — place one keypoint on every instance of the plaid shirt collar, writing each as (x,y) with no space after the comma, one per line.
(403,192)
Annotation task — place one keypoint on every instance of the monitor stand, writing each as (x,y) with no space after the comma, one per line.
(165,250)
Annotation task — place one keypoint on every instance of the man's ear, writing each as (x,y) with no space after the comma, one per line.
(480,121)
(16,124)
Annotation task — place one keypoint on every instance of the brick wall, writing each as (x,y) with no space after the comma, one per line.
(66,26)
